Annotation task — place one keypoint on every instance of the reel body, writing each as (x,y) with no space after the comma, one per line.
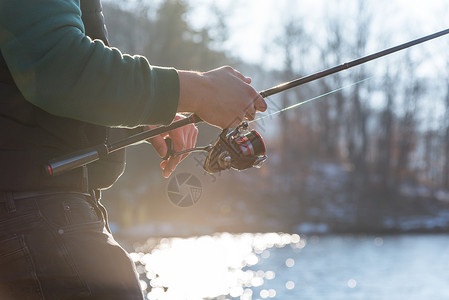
(239,149)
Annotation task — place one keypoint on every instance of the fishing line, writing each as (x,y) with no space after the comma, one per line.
(309,100)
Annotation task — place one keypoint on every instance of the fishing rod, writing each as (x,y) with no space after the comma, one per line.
(239,148)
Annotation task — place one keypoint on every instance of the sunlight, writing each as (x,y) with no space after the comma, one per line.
(290,262)
(352,283)
(290,285)
(216,267)
(209,266)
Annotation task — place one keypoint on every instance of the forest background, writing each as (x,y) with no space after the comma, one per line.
(371,157)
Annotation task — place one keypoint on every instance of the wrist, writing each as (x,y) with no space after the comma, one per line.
(190,97)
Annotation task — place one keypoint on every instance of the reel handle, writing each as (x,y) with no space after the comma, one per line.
(170,151)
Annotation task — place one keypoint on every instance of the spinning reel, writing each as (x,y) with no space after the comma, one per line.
(239,149)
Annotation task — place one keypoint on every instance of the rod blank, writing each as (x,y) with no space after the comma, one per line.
(344,66)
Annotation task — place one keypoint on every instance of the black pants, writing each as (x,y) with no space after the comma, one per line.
(55,246)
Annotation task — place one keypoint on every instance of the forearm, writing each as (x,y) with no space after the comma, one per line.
(62,71)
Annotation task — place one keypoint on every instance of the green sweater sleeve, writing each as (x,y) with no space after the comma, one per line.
(62,71)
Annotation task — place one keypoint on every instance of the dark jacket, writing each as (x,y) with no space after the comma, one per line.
(30,136)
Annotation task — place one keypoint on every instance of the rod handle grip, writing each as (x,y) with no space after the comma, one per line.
(65,163)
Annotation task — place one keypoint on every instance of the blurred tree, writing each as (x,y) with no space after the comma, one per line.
(293,144)
(445,179)
(357,135)
(383,161)
(128,27)
(408,125)
(332,111)
(429,169)
(172,41)
(290,38)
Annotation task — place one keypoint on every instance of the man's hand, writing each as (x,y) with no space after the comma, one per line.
(182,138)
(222,97)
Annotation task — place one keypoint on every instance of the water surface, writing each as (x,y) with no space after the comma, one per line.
(285,266)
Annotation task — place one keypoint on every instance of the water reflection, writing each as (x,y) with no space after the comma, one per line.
(210,266)
(283,266)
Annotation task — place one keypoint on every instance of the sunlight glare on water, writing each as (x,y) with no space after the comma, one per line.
(282,266)
(209,266)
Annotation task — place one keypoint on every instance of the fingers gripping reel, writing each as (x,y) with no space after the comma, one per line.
(239,149)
